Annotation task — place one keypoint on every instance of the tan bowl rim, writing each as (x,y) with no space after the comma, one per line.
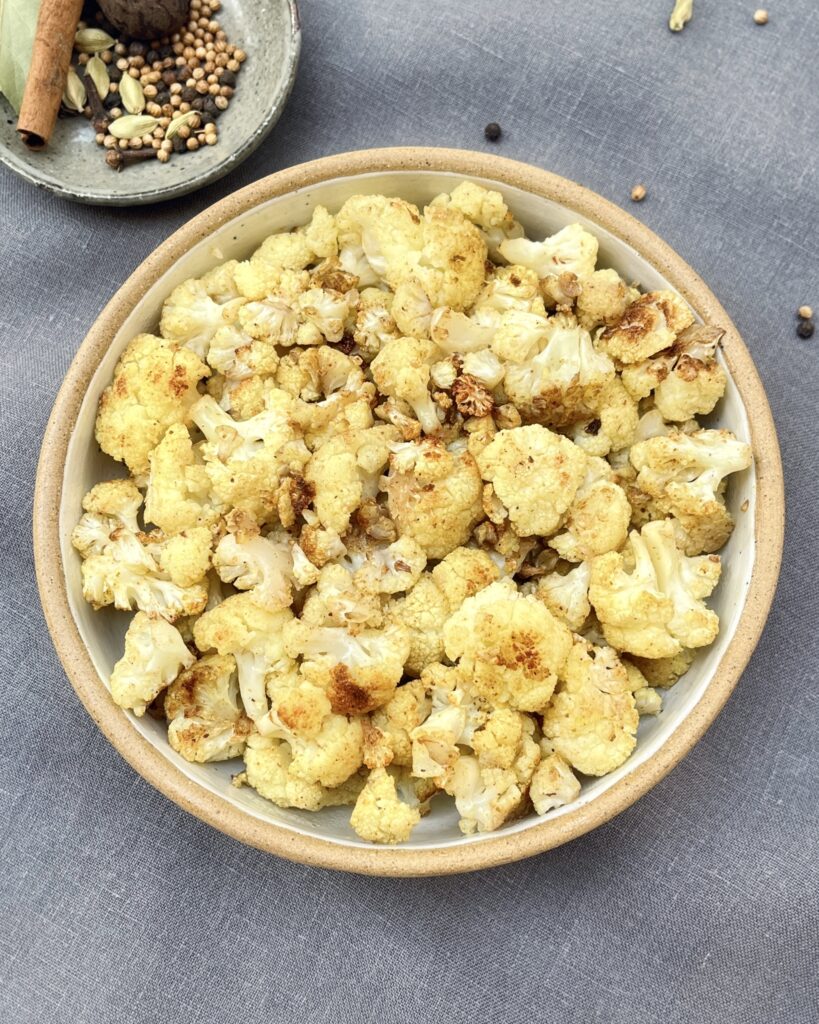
(494,850)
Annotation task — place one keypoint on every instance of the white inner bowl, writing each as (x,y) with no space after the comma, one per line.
(103,632)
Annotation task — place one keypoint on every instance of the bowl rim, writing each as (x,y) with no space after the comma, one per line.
(15,158)
(398,861)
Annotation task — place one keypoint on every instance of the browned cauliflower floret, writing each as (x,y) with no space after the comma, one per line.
(664,672)
(647,700)
(650,324)
(456,712)
(269,770)
(572,250)
(206,721)
(344,472)
(154,386)
(567,596)
(434,494)
(423,612)
(684,474)
(535,475)
(451,267)
(380,814)
(191,316)
(359,673)
(603,299)
(592,720)
(656,608)
(511,646)
(463,573)
(387,737)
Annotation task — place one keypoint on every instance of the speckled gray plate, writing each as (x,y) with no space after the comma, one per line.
(74,167)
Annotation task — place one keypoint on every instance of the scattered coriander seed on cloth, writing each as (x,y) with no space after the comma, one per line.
(761,16)
(805,312)
(638,193)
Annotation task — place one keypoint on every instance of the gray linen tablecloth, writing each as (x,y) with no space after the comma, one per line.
(698,904)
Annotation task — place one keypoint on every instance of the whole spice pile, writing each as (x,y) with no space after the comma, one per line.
(150,100)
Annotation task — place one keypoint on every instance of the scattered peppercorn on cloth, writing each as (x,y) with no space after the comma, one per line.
(698,904)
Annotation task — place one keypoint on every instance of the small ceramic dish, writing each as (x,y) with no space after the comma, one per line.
(73,166)
(89,643)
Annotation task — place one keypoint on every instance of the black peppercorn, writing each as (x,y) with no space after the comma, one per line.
(111,100)
(227,78)
(492,131)
(211,108)
(137,49)
(151,56)
(593,427)
(168,77)
(207,118)
(183,74)
(179,145)
(198,103)
(165,52)
(188,95)
(805,328)
(114,73)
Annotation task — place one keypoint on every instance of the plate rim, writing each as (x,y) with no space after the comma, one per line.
(408,861)
(11,157)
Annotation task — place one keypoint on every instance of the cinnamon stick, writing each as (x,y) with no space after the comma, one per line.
(50,58)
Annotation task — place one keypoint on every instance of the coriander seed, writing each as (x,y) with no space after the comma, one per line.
(162,156)
(761,16)
(805,328)
(192,143)
(805,312)
(638,193)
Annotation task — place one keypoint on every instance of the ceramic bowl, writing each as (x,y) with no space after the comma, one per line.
(73,167)
(90,642)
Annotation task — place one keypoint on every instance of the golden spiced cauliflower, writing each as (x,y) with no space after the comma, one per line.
(415,505)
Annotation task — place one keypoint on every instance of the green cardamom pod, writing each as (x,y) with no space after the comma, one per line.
(98,73)
(133,98)
(681,15)
(92,40)
(74,95)
(178,122)
(133,126)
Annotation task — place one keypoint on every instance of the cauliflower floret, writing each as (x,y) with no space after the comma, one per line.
(650,324)
(519,336)
(274,321)
(572,250)
(647,700)
(379,237)
(423,612)
(178,497)
(344,472)
(319,545)
(330,756)
(253,635)
(205,718)
(664,672)
(387,735)
(456,332)
(261,565)
(684,474)
(451,267)
(374,323)
(563,383)
(154,386)
(154,655)
(462,573)
(380,815)
(401,371)
(297,707)
(106,580)
(567,597)
(686,379)
(598,518)
(434,495)
(340,599)
(553,784)
(535,474)
(633,610)
(111,511)
(456,713)
(268,769)
(280,255)
(359,673)
(507,289)
(592,720)
(603,299)
(246,459)
(238,356)
(483,206)
(191,317)
(686,581)
(185,557)
(510,646)
(327,312)
(484,797)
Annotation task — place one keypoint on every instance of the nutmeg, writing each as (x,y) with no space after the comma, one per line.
(145,19)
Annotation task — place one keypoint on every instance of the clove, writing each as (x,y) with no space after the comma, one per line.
(99,115)
(119,158)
